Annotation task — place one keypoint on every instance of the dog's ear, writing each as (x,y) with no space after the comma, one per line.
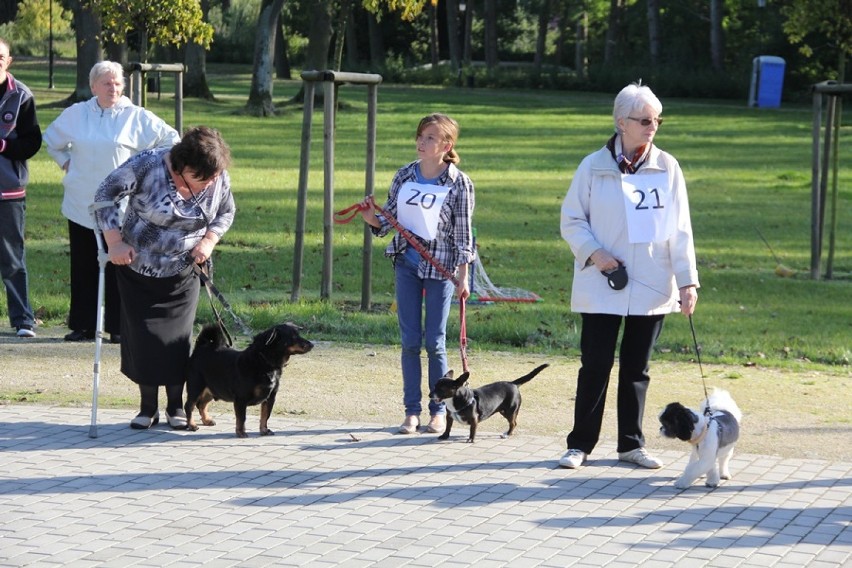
(448,375)
(462,380)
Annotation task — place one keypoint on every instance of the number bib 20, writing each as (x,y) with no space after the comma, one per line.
(648,203)
(418,208)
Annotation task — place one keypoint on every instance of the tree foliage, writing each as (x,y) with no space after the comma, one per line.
(822,21)
(409,9)
(161,22)
(35,21)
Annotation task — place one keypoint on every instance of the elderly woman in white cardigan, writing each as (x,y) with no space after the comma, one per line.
(626,219)
(88,141)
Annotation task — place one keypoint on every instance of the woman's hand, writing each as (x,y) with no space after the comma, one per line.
(368,212)
(204,249)
(688,299)
(463,287)
(604,261)
(121,253)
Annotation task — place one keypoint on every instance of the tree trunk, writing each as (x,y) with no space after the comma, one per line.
(352,57)
(319,41)
(377,43)
(453,35)
(581,62)
(614,32)
(654,31)
(716,49)
(195,59)
(344,14)
(195,77)
(433,36)
(490,18)
(260,95)
(87,27)
(468,34)
(282,52)
(541,35)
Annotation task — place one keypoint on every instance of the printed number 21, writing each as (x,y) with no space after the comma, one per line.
(642,196)
(427,200)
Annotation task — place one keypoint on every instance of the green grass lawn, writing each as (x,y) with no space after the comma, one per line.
(747,170)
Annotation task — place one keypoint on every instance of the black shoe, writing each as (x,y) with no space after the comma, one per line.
(114,338)
(80,335)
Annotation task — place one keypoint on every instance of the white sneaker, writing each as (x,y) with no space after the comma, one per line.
(640,457)
(572,459)
(25,330)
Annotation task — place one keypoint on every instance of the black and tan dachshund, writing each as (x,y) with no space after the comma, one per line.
(246,378)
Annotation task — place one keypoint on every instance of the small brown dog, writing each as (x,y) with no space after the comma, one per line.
(246,378)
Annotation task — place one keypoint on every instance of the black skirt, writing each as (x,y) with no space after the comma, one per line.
(157,316)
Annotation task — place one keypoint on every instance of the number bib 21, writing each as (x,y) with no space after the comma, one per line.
(648,204)
(418,208)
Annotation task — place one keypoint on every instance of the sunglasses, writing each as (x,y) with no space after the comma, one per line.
(647,121)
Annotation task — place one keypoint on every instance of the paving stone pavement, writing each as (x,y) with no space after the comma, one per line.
(345,494)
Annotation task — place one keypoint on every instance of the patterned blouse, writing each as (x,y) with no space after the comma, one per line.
(454,244)
(161,225)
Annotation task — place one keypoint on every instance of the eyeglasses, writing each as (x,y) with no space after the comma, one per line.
(647,121)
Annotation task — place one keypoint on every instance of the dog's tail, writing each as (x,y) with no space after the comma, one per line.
(529,376)
(211,336)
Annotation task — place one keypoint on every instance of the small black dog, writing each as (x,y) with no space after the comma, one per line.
(472,406)
(246,378)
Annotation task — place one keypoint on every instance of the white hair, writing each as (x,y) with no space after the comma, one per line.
(102,68)
(633,98)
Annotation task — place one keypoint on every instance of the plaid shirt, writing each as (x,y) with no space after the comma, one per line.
(454,244)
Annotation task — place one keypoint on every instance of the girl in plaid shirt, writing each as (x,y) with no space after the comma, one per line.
(434,200)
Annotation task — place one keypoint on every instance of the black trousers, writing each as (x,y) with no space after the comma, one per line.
(84,284)
(598,341)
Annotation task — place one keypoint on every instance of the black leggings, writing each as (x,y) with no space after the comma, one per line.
(149,401)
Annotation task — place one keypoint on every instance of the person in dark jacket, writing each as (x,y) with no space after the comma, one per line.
(20,139)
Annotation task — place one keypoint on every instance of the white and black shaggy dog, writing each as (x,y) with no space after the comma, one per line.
(713,431)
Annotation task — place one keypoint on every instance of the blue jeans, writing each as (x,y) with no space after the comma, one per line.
(417,331)
(13,267)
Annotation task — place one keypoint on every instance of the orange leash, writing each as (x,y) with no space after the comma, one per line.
(346,215)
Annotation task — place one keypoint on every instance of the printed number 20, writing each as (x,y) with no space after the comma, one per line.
(642,197)
(427,200)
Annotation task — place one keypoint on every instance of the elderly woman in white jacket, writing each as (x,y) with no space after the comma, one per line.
(626,219)
(88,141)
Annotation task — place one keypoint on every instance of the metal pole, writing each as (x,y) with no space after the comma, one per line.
(369,183)
(302,195)
(815,185)
(329,89)
(823,177)
(50,48)
(179,102)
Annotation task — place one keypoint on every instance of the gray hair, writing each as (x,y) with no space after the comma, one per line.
(102,68)
(633,98)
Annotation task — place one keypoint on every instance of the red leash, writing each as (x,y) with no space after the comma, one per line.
(346,215)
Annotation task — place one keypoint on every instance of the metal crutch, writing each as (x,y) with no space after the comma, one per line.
(103,258)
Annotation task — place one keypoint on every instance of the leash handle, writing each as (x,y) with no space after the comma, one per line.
(346,215)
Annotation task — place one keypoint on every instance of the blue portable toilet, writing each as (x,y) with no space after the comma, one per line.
(767,81)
